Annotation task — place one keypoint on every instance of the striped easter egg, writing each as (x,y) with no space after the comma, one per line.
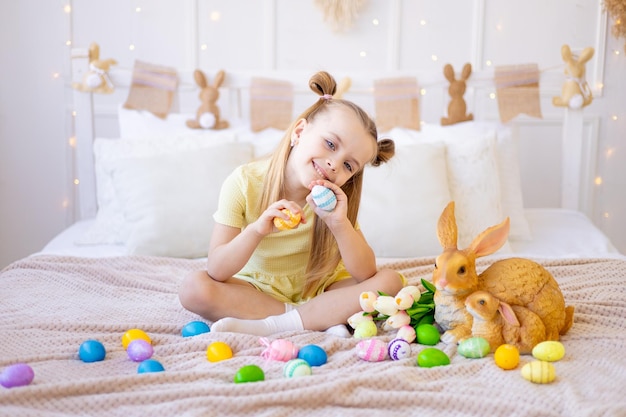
(297,367)
(539,372)
(323,197)
(474,347)
(371,350)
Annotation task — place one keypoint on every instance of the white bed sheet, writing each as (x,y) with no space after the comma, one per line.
(557,233)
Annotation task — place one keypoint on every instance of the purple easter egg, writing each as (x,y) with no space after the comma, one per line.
(139,350)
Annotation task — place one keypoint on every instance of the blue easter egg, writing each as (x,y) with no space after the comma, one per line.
(17,375)
(150,365)
(195,328)
(313,354)
(91,351)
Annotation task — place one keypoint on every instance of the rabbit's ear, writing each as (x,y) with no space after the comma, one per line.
(586,55)
(219,79)
(448,71)
(467,70)
(491,239)
(446,228)
(94,52)
(566,53)
(200,78)
(508,314)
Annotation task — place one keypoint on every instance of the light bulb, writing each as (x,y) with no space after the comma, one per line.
(67,8)
(375,22)
(598,181)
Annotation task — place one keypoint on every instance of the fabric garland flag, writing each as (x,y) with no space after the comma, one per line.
(517,88)
(397,103)
(271,104)
(152,88)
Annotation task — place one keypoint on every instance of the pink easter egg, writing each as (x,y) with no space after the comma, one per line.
(371,350)
(279,350)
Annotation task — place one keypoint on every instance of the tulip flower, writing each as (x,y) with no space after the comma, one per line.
(404,300)
(366,300)
(386,305)
(406,332)
(399,319)
(411,289)
(357,318)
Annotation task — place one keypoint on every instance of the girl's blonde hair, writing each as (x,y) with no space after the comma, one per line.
(324,255)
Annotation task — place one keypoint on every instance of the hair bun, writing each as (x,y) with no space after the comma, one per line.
(322,83)
(386,150)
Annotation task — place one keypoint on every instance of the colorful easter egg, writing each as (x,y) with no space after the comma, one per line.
(399,349)
(149,366)
(218,351)
(297,367)
(279,350)
(549,351)
(506,356)
(133,334)
(474,347)
(195,328)
(323,197)
(365,329)
(427,334)
(539,372)
(430,357)
(17,375)
(139,350)
(371,350)
(282,224)
(313,354)
(249,373)
(91,351)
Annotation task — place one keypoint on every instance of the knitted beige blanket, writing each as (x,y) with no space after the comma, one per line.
(49,305)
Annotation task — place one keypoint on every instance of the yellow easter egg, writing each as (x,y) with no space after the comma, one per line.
(539,372)
(550,351)
(282,224)
(506,356)
(218,351)
(134,334)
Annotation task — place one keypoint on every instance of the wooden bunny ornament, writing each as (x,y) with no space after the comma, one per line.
(516,281)
(457,106)
(575,93)
(208,114)
(499,323)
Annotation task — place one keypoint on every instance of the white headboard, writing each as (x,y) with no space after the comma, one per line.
(557,154)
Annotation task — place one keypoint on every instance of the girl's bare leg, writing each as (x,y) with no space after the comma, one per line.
(328,309)
(214,300)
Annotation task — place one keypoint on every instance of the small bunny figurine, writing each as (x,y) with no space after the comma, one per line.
(97,80)
(516,281)
(499,323)
(208,114)
(575,93)
(457,106)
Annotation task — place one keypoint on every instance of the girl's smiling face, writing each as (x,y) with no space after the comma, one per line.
(333,147)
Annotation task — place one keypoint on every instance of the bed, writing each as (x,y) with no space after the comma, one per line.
(103,276)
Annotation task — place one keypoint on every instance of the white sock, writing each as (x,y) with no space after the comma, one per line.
(265,327)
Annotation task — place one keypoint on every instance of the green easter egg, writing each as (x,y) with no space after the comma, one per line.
(427,334)
(474,347)
(430,357)
(365,329)
(249,373)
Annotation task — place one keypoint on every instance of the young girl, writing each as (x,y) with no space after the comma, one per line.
(260,280)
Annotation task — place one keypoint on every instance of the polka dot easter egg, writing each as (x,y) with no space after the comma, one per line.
(323,197)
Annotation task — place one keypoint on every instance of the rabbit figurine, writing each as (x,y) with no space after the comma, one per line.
(457,106)
(208,114)
(499,322)
(575,93)
(516,281)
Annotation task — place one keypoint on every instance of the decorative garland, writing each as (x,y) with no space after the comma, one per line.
(617,10)
(340,13)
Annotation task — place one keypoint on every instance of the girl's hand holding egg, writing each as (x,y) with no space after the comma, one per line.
(282,224)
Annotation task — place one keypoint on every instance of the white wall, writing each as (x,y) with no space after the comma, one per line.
(411,37)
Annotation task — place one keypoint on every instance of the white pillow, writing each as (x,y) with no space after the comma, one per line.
(507,159)
(109,226)
(140,124)
(474,183)
(168,200)
(401,200)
